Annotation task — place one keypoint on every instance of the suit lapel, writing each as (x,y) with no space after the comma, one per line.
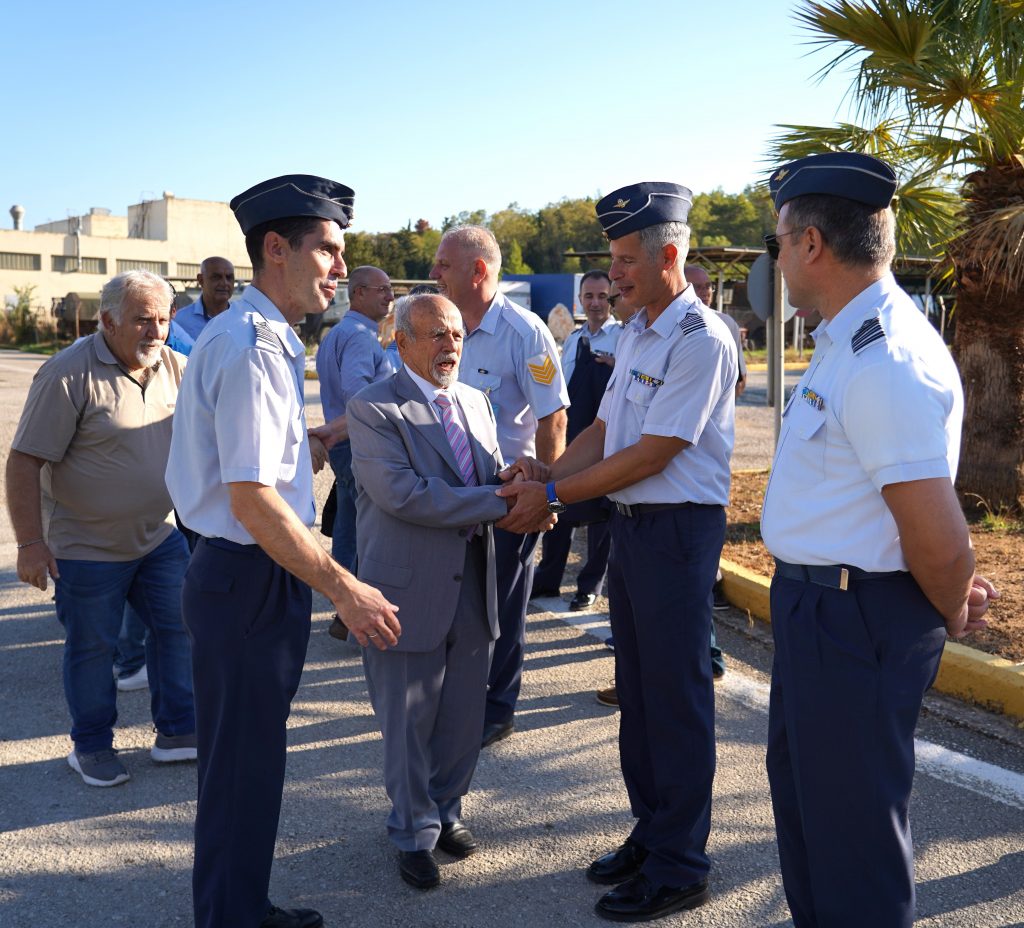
(418,413)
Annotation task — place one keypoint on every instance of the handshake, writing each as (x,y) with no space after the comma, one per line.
(523,489)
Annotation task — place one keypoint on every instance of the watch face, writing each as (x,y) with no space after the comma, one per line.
(556,507)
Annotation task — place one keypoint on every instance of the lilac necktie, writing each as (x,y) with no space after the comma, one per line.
(457,439)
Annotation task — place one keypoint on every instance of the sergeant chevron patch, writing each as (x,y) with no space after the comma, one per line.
(542,369)
(870,331)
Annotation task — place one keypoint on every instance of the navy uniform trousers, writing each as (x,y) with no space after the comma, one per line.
(850,671)
(248,620)
(659,591)
(513,564)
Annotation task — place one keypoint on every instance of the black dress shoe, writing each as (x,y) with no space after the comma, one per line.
(456,839)
(638,900)
(619,865)
(540,594)
(496,731)
(419,869)
(582,601)
(291,918)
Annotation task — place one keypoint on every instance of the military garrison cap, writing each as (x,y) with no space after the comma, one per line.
(638,206)
(848,174)
(294,195)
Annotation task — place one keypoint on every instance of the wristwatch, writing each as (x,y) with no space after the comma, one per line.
(555,505)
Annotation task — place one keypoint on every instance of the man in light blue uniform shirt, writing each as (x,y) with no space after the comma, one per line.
(216,279)
(659,449)
(349,358)
(240,476)
(873,557)
(594,345)
(511,356)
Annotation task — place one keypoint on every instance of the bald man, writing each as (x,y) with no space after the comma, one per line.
(216,279)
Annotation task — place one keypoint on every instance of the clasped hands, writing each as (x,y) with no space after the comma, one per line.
(526,497)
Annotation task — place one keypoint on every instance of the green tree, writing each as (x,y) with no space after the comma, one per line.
(22,317)
(512,260)
(939,88)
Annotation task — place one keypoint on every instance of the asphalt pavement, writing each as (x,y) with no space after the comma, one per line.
(544,802)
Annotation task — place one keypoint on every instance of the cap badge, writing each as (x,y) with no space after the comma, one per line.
(782,172)
(621,204)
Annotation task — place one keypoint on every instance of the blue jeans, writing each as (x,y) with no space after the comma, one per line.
(91,598)
(130,653)
(343,540)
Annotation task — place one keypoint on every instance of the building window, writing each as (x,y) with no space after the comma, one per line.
(16,261)
(157,267)
(242,272)
(66,264)
(188,271)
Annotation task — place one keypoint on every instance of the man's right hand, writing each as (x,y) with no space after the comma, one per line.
(368,615)
(526,468)
(36,564)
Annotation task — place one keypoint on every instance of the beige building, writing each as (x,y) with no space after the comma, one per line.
(169,236)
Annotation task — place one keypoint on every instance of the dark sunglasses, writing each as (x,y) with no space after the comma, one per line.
(771,242)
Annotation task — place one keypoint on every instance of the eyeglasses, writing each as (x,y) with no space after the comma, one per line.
(771,242)
(383,288)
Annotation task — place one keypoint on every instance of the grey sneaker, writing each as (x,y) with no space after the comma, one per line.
(134,681)
(170,748)
(99,769)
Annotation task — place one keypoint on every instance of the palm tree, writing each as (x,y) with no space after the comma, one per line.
(938,90)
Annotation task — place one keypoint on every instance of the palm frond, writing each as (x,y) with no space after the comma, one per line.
(994,243)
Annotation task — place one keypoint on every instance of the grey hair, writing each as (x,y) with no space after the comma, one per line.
(135,284)
(403,315)
(480,241)
(858,234)
(654,238)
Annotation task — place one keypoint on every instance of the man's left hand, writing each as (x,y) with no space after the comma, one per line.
(317,452)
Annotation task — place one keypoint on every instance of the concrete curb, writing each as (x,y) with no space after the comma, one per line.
(794,366)
(975,676)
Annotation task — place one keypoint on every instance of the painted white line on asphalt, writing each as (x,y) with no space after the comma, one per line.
(951,767)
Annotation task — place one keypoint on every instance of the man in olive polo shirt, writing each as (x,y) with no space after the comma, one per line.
(93,439)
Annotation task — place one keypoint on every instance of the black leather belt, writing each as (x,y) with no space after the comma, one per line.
(835,576)
(228,545)
(638,509)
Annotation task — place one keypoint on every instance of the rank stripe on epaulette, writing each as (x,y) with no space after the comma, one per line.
(691,322)
(265,337)
(870,331)
(543,373)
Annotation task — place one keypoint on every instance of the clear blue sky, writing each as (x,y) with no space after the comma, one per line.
(425,109)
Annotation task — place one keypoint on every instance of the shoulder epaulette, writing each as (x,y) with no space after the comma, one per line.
(869,331)
(265,337)
(690,323)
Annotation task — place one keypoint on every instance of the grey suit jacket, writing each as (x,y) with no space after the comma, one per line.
(413,508)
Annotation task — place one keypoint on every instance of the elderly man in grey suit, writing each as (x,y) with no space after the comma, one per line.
(425,459)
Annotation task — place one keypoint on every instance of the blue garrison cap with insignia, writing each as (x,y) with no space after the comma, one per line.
(846,174)
(638,206)
(294,195)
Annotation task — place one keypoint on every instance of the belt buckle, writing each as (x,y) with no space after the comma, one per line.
(844,578)
(625,510)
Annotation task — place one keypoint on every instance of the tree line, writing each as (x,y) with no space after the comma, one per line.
(537,242)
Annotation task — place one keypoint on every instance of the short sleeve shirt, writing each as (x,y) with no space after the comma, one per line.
(349,358)
(192,318)
(675,378)
(511,356)
(241,419)
(105,439)
(880,403)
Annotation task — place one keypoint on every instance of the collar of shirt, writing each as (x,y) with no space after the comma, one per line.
(670,316)
(489,323)
(842,326)
(106,356)
(278,324)
(429,390)
(357,318)
(202,309)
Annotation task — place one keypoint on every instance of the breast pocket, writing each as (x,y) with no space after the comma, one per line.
(808,425)
(487,383)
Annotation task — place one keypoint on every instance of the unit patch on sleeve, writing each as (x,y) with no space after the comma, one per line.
(265,337)
(690,323)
